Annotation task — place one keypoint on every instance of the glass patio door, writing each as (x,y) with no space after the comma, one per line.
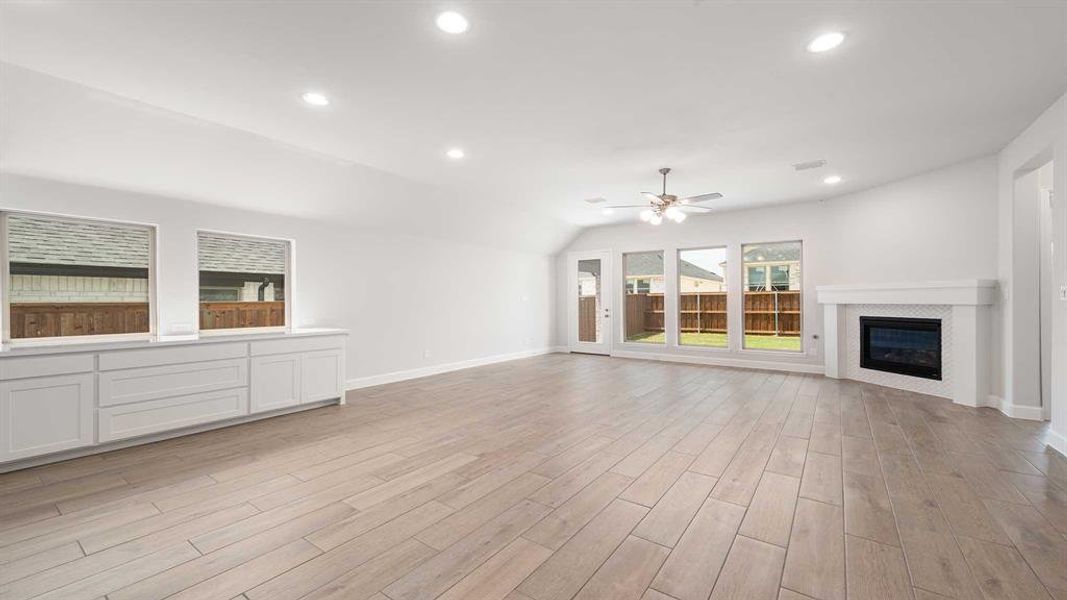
(589,304)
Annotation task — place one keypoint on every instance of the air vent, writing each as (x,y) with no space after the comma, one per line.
(811,164)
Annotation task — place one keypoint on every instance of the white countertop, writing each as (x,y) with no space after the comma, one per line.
(42,347)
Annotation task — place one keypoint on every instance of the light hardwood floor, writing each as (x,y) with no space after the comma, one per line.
(557,477)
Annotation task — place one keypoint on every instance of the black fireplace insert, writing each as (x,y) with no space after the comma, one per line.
(901,345)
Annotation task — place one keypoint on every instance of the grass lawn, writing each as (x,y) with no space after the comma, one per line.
(718,340)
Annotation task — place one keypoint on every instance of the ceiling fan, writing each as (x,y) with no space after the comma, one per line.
(668,205)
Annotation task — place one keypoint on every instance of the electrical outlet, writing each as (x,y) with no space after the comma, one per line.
(1063,292)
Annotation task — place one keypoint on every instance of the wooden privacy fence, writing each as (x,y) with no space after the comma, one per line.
(587,318)
(766,313)
(47,319)
(232,315)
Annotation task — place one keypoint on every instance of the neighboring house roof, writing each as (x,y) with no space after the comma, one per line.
(240,255)
(650,264)
(787,252)
(44,241)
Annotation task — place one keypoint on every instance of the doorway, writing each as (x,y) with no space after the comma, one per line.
(1047,284)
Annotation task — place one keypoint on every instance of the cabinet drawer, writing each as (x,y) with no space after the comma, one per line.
(321,375)
(143,418)
(42,366)
(151,357)
(45,414)
(152,383)
(275,381)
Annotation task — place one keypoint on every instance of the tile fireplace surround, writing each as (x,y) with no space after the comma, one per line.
(963,306)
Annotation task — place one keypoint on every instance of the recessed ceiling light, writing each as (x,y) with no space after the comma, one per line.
(455,153)
(826,41)
(315,98)
(452,22)
(832,180)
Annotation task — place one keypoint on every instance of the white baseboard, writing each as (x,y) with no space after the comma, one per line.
(1057,441)
(1015,411)
(723,361)
(395,376)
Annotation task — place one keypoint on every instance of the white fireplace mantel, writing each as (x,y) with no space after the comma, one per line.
(966,302)
(962,292)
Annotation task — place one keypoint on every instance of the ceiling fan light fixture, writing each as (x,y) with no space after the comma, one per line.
(656,220)
(678,218)
(607,211)
(646,215)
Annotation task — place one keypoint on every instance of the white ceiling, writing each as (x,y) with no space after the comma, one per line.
(555,102)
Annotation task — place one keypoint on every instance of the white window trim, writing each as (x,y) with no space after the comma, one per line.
(5,298)
(289,291)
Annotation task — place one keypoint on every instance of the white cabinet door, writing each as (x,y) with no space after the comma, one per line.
(275,381)
(322,375)
(45,414)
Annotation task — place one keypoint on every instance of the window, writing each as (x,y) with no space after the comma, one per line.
(73,277)
(589,301)
(756,279)
(242,281)
(643,318)
(702,297)
(772,296)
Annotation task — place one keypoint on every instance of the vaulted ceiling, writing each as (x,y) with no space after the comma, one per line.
(553,102)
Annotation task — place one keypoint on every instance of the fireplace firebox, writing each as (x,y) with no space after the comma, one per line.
(901,345)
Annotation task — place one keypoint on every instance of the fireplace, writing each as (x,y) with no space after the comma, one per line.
(901,345)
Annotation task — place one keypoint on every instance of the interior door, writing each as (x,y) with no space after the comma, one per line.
(590,293)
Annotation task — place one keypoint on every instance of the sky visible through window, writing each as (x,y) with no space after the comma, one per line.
(709,259)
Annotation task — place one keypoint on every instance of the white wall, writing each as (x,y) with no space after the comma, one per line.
(399,296)
(935,226)
(1044,140)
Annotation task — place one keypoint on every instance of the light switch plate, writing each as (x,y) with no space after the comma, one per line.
(1063,292)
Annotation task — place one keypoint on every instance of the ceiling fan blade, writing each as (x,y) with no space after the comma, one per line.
(652,197)
(703,197)
(695,206)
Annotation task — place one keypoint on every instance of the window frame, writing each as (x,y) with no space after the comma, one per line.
(290,246)
(800,287)
(5,282)
(678,298)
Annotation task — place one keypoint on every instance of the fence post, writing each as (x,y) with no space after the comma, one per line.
(777,327)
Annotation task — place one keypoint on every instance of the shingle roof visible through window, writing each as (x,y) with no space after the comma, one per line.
(41,240)
(232,254)
(651,263)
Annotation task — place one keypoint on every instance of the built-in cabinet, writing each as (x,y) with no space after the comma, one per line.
(70,399)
